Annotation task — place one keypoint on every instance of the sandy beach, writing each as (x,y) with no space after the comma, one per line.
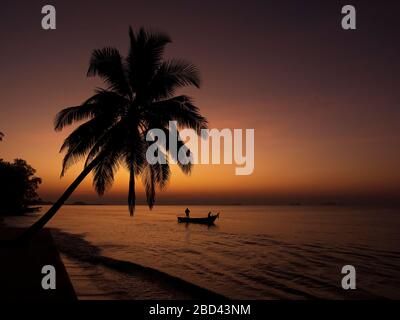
(20,269)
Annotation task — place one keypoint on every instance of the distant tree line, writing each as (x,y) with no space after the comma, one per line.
(18,186)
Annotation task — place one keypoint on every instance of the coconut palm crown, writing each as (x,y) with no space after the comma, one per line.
(139,96)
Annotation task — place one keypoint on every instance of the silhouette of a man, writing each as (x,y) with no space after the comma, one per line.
(187,211)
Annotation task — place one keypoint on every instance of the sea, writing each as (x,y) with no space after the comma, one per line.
(252,252)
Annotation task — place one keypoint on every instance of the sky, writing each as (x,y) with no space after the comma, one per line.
(324,102)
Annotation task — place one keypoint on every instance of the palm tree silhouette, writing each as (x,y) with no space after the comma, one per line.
(139,97)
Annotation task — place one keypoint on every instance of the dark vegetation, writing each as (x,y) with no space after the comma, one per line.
(18,186)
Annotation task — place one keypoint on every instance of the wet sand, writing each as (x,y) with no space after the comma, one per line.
(94,274)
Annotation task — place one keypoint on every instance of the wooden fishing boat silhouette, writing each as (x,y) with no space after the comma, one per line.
(206,220)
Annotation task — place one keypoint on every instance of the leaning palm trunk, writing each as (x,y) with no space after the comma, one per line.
(38,225)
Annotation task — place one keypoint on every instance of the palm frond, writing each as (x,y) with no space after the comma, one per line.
(145,56)
(82,139)
(111,139)
(135,155)
(162,174)
(131,192)
(102,102)
(155,175)
(107,63)
(103,176)
(149,182)
(180,109)
(70,115)
(172,75)
(185,167)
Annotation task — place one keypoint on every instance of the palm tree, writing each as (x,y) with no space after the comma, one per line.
(139,97)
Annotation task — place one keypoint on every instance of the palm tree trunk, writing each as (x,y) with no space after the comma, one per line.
(27,235)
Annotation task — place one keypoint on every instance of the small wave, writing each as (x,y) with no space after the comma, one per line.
(78,248)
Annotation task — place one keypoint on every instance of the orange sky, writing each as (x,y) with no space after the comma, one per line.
(325,113)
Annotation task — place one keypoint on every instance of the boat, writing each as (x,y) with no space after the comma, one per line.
(208,220)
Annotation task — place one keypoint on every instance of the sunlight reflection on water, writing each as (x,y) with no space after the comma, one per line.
(253,252)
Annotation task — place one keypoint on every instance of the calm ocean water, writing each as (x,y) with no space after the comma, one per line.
(253,252)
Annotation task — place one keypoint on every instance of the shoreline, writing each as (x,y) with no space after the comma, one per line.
(251,254)
(83,276)
(149,283)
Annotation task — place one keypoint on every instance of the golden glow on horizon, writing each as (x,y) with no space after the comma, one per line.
(282,166)
(325,114)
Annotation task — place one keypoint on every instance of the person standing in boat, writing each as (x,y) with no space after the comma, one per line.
(187,211)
